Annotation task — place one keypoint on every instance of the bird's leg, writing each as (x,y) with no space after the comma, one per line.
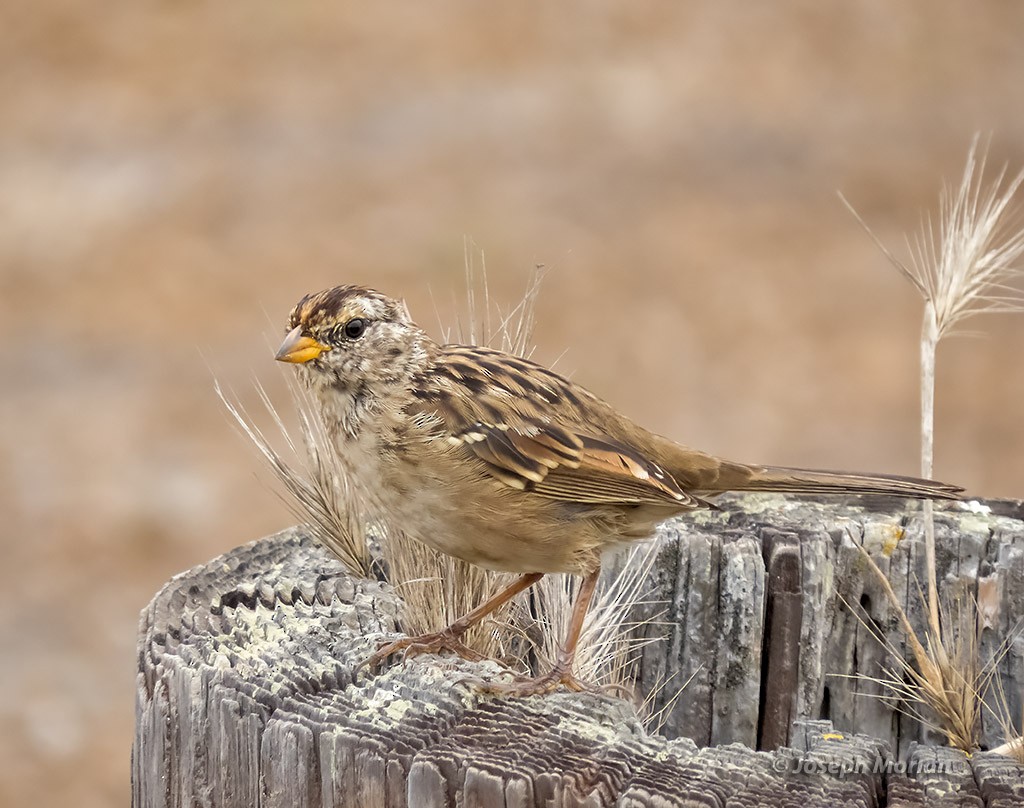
(561,673)
(450,638)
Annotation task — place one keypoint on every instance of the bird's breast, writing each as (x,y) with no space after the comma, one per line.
(412,479)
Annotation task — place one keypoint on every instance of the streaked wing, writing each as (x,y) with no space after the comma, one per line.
(533,430)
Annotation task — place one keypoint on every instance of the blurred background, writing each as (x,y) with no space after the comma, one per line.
(175,175)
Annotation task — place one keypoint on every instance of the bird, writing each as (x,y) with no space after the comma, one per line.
(506,464)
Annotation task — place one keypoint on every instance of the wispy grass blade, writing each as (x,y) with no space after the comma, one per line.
(316,491)
(943,683)
(610,640)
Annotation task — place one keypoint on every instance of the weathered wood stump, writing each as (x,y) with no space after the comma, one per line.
(769,602)
(247,693)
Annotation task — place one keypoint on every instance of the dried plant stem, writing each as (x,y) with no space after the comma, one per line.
(608,644)
(1012,726)
(969,264)
(925,665)
(317,492)
(946,677)
(1013,748)
(929,345)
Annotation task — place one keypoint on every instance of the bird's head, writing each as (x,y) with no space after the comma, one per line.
(351,337)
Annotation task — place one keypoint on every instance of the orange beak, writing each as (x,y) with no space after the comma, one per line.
(298,349)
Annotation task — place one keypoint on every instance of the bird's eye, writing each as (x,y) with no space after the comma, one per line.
(355,327)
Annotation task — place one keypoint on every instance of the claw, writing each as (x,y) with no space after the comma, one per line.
(432,643)
(559,676)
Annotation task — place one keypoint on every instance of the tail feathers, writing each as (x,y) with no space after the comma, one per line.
(812,481)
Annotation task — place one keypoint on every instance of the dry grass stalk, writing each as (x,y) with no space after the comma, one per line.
(967,264)
(317,493)
(514,330)
(968,267)
(943,683)
(437,589)
(654,720)
(1012,730)
(609,644)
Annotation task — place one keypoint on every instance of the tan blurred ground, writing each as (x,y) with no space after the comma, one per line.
(173,176)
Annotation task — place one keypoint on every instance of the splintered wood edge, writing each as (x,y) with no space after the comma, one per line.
(247,694)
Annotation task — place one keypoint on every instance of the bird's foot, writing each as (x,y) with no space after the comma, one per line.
(435,642)
(559,676)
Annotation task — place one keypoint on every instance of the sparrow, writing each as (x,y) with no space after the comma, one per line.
(503,463)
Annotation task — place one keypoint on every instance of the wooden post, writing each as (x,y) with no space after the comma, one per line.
(247,692)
